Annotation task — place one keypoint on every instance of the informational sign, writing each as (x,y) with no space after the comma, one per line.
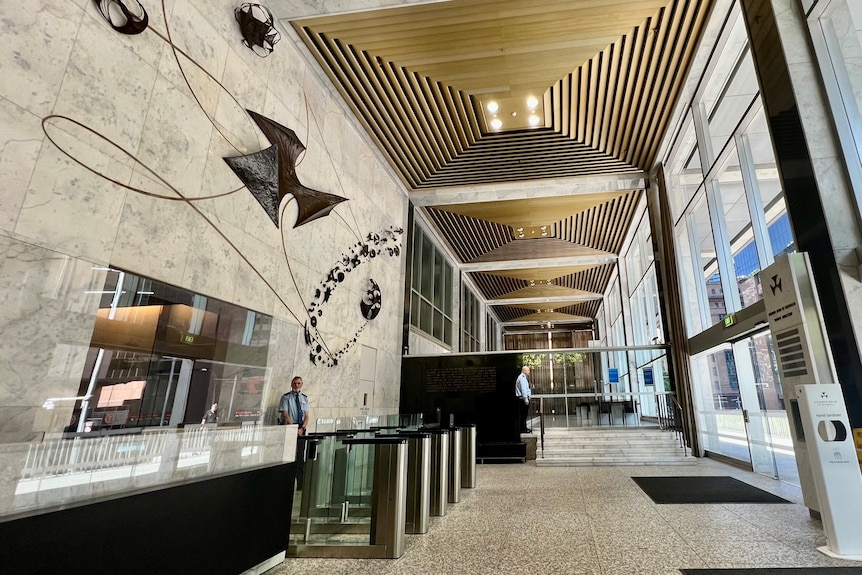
(801,349)
(835,468)
(729,320)
(648,376)
(613,375)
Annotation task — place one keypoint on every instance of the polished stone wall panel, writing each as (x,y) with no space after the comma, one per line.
(59,56)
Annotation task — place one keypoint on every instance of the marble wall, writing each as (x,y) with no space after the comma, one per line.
(129,115)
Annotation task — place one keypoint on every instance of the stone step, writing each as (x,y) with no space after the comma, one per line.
(620,446)
(629,440)
(612,453)
(593,462)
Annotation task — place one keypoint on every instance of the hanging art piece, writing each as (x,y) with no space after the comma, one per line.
(258,28)
(271,174)
(121,18)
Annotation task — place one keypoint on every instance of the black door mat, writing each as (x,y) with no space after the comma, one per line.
(777,571)
(703,489)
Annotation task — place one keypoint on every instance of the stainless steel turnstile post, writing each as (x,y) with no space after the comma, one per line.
(418,482)
(439,471)
(468,456)
(455,465)
(389,497)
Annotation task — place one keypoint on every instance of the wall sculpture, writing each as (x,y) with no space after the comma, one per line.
(269,175)
(258,28)
(121,18)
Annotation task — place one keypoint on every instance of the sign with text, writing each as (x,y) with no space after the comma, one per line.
(452,379)
(613,375)
(834,465)
(648,376)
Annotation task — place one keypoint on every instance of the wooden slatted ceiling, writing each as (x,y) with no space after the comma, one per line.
(416,92)
(508,313)
(504,47)
(625,92)
(468,237)
(525,155)
(592,221)
(494,286)
(593,280)
(601,227)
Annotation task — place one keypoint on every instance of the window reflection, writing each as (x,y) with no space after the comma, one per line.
(160,356)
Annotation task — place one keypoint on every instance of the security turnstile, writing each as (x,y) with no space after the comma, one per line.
(454,465)
(468,456)
(356,507)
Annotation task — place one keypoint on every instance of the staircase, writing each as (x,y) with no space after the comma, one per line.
(572,447)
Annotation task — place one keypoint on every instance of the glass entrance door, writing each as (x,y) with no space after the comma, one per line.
(756,418)
(740,406)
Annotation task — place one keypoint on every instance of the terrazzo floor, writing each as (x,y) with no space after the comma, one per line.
(596,521)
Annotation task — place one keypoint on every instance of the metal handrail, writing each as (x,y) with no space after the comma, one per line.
(542,424)
(670,418)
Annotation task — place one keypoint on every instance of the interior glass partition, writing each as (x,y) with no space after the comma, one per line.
(583,387)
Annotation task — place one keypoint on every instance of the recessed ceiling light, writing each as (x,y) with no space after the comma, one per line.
(514,114)
(496,123)
(532,102)
(493,106)
(534,120)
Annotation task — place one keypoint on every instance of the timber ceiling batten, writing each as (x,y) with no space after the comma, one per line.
(494,286)
(606,72)
(469,237)
(618,102)
(602,227)
(594,279)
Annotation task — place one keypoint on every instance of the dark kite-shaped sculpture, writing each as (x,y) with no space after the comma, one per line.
(258,28)
(128,22)
(270,183)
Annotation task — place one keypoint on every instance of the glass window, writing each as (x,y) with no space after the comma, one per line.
(757,138)
(837,35)
(470,321)
(684,172)
(162,356)
(689,276)
(737,221)
(730,88)
(708,262)
(431,293)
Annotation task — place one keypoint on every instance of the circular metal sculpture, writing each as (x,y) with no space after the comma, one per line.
(258,28)
(371,301)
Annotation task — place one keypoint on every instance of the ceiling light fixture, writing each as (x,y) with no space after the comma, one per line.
(493,107)
(496,123)
(532,102)
(534,120)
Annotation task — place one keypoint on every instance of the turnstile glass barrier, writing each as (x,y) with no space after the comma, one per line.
(353,497)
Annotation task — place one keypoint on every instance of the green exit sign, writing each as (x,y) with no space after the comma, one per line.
(187,338)
(729,320)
